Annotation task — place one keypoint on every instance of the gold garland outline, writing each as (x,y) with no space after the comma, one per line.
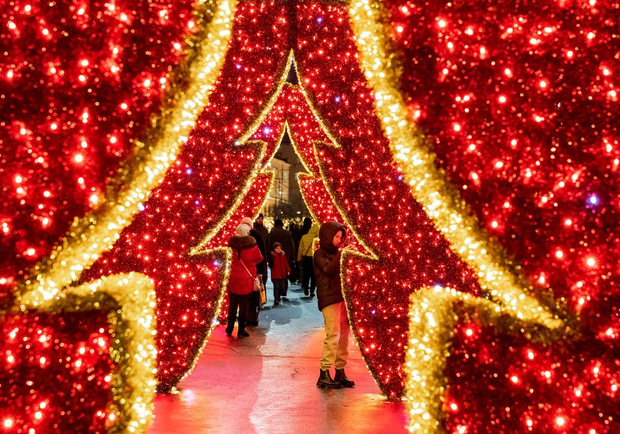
(97,232)
(258,168)
(433,315)
(429,186)
(130,301)
(134,381)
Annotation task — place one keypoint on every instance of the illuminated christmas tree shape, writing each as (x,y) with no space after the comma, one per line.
(289,112)
(414,229)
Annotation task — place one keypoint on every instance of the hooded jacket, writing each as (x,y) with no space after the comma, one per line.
(305,245)
(327,266)
(280,268)
(246,250)
(280,235)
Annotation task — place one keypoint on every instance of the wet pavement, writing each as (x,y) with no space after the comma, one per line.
(266,383)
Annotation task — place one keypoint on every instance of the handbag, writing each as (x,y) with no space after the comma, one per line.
(257,285)
(262,295)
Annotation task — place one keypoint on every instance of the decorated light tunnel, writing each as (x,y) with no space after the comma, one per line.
(472,151)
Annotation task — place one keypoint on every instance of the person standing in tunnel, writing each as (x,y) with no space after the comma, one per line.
(304,258)
(332,237)
(261,269)
(241,281)
(262,231)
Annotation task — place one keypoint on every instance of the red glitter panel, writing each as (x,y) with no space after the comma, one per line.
(206,179)
(55,373)
(520,101)
(78,83)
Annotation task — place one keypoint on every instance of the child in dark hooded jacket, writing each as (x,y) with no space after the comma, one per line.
(332,236)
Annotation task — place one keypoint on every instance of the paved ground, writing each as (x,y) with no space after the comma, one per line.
(266,383)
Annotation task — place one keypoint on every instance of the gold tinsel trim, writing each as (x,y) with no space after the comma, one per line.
(433,316)
(507,292)
(97,232)
(429,186)
(129,300)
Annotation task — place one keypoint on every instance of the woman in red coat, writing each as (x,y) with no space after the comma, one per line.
(241,281)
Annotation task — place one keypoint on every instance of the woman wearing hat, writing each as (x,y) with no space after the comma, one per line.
(241,281)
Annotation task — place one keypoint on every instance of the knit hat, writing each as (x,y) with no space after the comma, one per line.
(276,244)
(243,230)
(247,221)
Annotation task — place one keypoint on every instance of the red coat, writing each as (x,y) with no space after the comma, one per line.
(280,267)
(246,250)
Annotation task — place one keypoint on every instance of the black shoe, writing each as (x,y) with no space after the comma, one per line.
(276,303)
(325,381)
(229,332)
(341,378)
(242,334)
(312,295)
(305,291)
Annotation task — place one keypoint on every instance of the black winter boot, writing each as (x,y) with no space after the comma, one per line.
(325,381)
(341,378)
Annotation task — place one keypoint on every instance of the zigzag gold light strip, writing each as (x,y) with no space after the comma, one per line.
(260,148)
(433,316)
(130,302)
(430,187)
(90,236)
(332,142)
(432,313)
(130,298)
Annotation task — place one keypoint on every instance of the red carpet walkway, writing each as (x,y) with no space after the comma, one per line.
(266,383)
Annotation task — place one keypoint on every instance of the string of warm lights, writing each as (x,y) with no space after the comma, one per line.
(131,314)
(505,99)
(96,233)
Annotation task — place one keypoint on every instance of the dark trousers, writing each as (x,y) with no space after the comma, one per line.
(253,309)
(280,286)
(241,302)
(308,274)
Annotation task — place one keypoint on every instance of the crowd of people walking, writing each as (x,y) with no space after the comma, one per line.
(292,256)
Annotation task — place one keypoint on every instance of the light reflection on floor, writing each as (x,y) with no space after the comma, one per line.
(266,384)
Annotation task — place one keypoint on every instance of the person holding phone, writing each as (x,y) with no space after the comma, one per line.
(326,261)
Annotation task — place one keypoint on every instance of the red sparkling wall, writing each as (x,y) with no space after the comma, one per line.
(78,82)
(520,101)
(55,373)
(207,178)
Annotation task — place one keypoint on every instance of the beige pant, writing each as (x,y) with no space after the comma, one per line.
(335,346)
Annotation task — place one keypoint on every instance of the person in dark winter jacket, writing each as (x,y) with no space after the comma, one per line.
(279,273)
(262,231)
(261,269)
(296,274)
(332,237)
(241,281)
(304,257)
